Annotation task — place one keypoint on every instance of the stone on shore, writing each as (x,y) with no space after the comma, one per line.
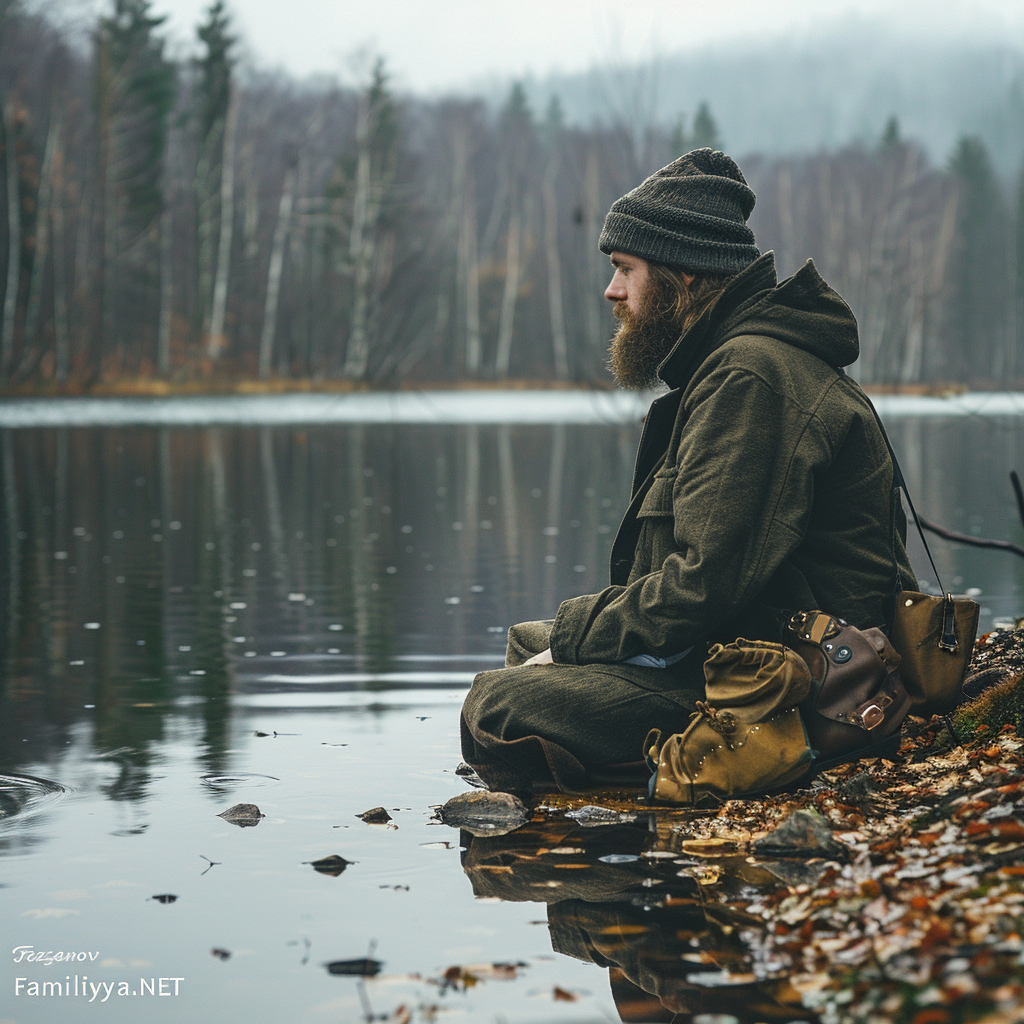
(483,813)
(803,833)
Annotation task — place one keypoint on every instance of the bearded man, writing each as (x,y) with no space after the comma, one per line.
(763,486)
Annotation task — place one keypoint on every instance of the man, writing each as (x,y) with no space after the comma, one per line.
(762,486)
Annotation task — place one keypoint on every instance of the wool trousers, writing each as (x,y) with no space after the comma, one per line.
(570,727)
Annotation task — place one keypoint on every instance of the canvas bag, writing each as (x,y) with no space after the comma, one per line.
(933,635)
(746,738)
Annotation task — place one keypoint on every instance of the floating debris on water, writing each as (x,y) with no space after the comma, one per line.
(364,967)
(592,814)
(210,864)
(461,977)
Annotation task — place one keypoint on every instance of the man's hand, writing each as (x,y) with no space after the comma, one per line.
(544,658)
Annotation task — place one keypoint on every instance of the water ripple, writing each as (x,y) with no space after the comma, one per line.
(222,782)
(23,795)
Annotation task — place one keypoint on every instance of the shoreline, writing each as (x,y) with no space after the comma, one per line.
(481,406)
(223,388)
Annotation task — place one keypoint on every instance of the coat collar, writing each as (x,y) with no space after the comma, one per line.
(697,343)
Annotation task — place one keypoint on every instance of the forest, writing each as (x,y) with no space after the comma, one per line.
(196,225)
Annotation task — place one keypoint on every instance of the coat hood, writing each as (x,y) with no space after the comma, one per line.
(802,311)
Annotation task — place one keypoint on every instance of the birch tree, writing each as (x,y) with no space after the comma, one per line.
(516,128)
(552,249)
(376,158)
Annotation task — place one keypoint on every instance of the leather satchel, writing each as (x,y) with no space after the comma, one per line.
(934,635)
(856,702)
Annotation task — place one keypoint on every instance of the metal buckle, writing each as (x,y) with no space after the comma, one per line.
(872,717)
(804,623)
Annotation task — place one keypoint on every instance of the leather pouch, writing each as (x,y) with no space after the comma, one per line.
(857,700)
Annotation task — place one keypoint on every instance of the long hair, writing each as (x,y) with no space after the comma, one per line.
(685,303)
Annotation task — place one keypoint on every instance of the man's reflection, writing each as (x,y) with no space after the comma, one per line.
(672,953)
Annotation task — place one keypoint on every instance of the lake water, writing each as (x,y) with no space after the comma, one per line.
(289,615)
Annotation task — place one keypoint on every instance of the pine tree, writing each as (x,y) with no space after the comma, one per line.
(979,301)
(134,87)
(891,133)
(705,130)
(679,141)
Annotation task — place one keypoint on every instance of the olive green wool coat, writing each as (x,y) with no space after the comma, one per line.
(763,486)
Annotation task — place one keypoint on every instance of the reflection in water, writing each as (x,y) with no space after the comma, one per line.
(148,569)
(673,952)
(153,570)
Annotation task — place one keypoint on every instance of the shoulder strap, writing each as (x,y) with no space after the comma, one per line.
(899,483)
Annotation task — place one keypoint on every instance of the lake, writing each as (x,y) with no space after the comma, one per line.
(202,609)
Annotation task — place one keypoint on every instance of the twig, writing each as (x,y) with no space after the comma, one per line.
(211,863)
(963,538)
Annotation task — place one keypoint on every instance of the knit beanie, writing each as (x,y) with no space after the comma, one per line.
(692,214)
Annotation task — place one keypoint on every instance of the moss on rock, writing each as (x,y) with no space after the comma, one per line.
(1001,704)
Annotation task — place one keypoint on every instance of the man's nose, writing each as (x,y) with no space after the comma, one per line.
(616,290)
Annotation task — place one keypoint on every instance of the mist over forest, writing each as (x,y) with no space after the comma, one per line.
(799,94)
(196,223)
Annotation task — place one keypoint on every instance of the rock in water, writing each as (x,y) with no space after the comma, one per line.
(483,813)
(242,815)
(333,865)
(801,834)
(375,816)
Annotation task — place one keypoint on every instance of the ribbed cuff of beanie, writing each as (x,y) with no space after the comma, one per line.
(625,233)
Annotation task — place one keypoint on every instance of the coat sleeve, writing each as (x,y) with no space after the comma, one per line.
(741,502)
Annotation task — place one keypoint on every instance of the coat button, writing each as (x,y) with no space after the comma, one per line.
(843,655)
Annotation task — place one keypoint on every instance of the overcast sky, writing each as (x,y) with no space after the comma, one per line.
(440,44)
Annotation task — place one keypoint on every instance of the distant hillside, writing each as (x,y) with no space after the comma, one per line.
(784,96)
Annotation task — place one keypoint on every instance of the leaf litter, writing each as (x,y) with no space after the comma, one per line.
(889,890)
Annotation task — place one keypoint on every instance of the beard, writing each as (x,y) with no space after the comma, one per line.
(643,339)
